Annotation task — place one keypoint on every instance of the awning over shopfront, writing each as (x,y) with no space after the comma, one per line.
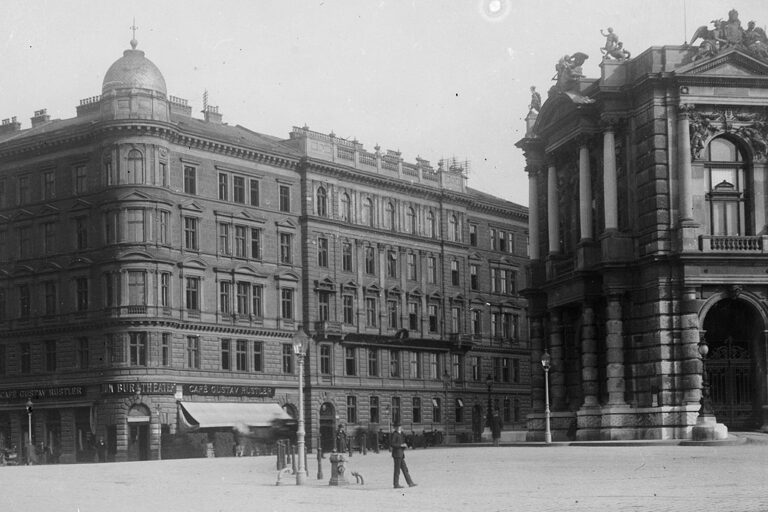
(242,416)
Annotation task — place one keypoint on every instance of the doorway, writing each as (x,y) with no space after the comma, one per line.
(327,426)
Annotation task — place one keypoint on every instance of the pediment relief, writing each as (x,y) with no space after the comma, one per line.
(193,263)
(733,63)
(191,205)
(287,276)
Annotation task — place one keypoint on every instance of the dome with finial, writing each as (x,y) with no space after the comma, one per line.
(133,71)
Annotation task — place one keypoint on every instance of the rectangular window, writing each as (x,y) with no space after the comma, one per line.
(258,356)
(505,370)
(393,314)
(25,352)
(373,362)
(370,260)
(394,363)
(81,179)
(254,192)
(24,301)
(134,231)
(50,356)
(257,297)
(431,270)
(416,372)
(374,409)
(285,198)
(81,292)
(223,187)
(351,409)
(476,322)
(502,241)
(434,366)
(391,264)
(25,242)
(324,306)
(411,267)
(243,297)
(322,252)
(325,359)
(240,242)
(165,289)
(49,185)
(437,410)
(190,233)
(241,356)
(516,371)
(416,403)
(370,312)
(475,368)
(225,297)
(49,237)
(193,293)
(238,189)
(226,354)
(457,366)
(193,352)
(164,227)
(81,232)
(83,353)
(473,235)
(24,193)
(455,320)
(348,308)
(137,348)
(350,361)
(346,257)
(165,349)
(137,288)
(49,290)
(396,410)
(286,303)
(455,273)
(256,243)
(224,242)
(473,278)
(286,254)
(413,316)
(190,180)
(492,236)
(287,358)
(433,318)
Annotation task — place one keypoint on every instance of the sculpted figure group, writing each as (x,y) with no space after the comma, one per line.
(729,33)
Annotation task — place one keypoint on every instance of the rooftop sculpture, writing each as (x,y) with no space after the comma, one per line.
(729,34)
(613,49)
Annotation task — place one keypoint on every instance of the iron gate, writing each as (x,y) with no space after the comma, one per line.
(731,383)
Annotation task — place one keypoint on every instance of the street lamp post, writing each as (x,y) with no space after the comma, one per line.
(300,342)
(545,362)
(706,402)
(444,408)
(489,383)
(29,430)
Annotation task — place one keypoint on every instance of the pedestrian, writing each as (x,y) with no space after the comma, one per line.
(398,446)
(341,439)
(101,450)
(496,427)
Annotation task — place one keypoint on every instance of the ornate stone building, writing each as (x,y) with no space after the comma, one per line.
(154,268)
(648,239)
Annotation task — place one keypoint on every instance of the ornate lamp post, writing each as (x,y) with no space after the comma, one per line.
(300,343)
(444,408)
(706,403)
(489,383)
(545,362)
(29,427)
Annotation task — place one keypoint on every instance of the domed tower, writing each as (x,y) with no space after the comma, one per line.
(134,88)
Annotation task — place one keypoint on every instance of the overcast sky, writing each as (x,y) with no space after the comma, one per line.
(432,78)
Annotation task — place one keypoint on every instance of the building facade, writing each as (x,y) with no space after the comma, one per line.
(155,268)
(647,224)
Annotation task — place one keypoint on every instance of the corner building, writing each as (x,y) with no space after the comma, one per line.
(154,268)
(648,223)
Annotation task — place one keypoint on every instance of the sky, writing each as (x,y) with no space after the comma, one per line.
(430,78)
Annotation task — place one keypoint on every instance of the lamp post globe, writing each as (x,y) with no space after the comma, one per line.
(300,342)
(546,361)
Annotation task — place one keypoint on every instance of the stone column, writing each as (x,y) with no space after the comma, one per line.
(685,176)
(585,193)
(614,341)
(589,379)
(553,224)
(533,213)
(610,192)
(690,359)
(557,387)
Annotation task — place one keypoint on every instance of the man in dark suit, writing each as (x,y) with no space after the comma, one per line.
(399,445)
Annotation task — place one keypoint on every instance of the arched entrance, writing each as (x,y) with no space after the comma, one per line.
(138,432)
(327,426)
(477,422)
(734,333)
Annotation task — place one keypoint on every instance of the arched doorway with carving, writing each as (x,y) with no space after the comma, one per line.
(734,328)
(327,426)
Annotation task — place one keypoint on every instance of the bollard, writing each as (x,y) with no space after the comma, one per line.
(365,443)
(292,451)
(319,463)
(376,445)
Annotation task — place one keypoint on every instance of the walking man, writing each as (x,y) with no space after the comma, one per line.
(398,455)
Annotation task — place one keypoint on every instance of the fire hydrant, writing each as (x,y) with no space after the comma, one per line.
(338,470)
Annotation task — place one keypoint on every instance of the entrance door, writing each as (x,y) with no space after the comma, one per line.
(477,422)
(138,443)
(731,383)
(327,426)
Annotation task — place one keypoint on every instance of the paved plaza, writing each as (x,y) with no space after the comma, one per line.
(640,477)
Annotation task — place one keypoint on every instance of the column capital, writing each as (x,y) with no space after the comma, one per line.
(610,122)
(535,169)
(686,109)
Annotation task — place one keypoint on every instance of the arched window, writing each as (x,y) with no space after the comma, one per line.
(322,202)
(430,225)
(135,167)
(368,211)
(389,217)
(725,172)
(346,208)
(410,220)
(453,229)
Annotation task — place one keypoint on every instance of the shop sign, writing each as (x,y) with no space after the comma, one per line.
(52,393)
(228,390)
(144,388)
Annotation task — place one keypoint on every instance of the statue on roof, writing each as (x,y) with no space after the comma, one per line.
(730,34)
(568,72)
(756,41)
(613,49)
(535,100)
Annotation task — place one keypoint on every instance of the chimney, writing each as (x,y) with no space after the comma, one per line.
(40,117)
(212,114)
(9,125)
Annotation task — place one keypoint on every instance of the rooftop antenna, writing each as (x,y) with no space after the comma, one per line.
(685,24)
(134,28)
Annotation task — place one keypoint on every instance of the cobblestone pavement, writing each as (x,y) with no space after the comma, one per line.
(642,477)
